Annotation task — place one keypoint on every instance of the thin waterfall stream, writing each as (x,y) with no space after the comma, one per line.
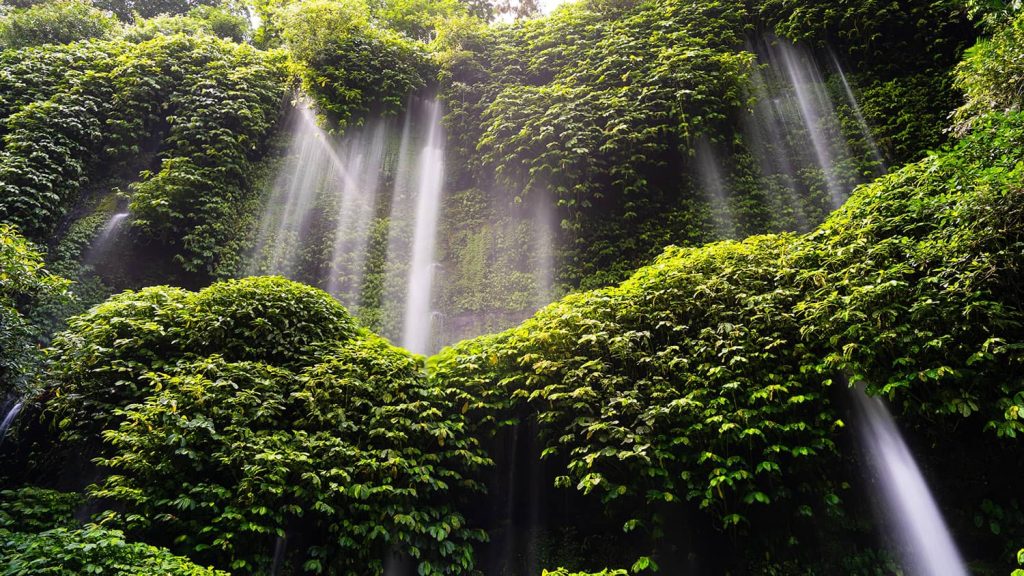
(419,314)
(925,543)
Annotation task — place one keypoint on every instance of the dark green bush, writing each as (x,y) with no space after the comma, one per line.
(356,458)
(350,66)
(26,291)
(32,509)
(89,550)
(297,425)
(709,375)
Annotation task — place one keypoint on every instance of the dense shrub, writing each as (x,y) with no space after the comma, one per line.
(54,22)
(101,359)
(32,509)
(992,74)
(350,66)
(563,572)
(130,10)
(885,36)
(26,291)
(285,421)
(39,535)
(89,550)
(216,101)
(709,375)
(201,19)
(202,200)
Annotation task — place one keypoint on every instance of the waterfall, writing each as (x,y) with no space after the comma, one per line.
(324,195)
(851,99)
(309,164)
(364,161)
(926,545)
(416,327)
(543,248)
(769,134)
(797,70)
(328,196)
(8,420)
(103,241)
(710,180)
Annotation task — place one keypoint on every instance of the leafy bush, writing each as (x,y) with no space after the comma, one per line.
(563,572)
(992,74)
(202,199)
(706,376)
(201,19)
(39,535)
(54,22)
(90,550)
(886,36)
(130,10)
(101,359)
(216,101)
(349,66)
(26,290)
(286,422)
(31,509)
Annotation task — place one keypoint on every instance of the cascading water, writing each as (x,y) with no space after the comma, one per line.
(364,162)
(543,249)
(324,194)
(712,183)
(926,545)
(851,99)
(767,131)
(310,164)
(8,420)
(815,109)
(417,319)
(103,241)
(797,70)
(332,192)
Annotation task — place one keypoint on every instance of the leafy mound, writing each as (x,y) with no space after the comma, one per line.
(54,22)
(98,364)
(26,289)
(38,535)
(210,104)
(254,416)
(709,376)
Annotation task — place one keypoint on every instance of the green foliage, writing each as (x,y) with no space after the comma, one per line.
(202,198)
(887,36)
(101,359)
(285,421)
(706,376)
(200,20)
(909,114)
(604,106)
(54,22)
(418,19)
(27,290)
(350,66)
(32,509)
(563,572)
(39,535)
(131,10)
(89,550)
(215,100)
(992,74)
